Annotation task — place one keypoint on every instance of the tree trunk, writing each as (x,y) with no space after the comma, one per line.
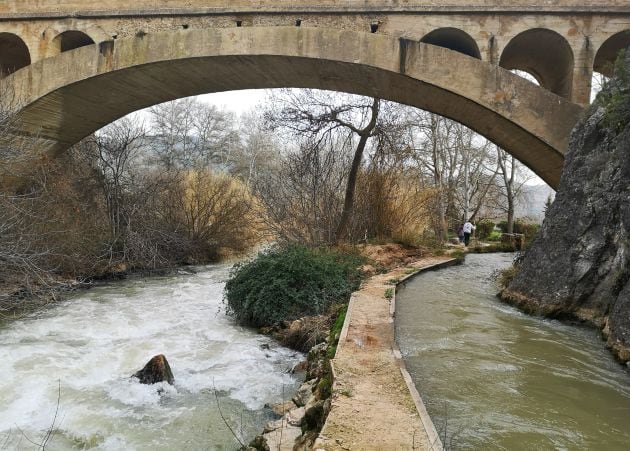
(510,213)
(342,228)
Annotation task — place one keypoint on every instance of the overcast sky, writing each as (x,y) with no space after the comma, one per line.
(236,101)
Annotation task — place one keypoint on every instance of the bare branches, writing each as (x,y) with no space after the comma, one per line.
(318,119)
(52,429)
(225,421)
(190,134)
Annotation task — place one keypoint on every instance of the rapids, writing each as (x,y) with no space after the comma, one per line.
(83,350)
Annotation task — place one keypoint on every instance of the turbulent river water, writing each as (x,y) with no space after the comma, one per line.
(82,352)
(494,378)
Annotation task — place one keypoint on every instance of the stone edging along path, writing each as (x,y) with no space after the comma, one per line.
(375,404)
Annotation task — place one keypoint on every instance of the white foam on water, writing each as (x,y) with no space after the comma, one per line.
(93,343)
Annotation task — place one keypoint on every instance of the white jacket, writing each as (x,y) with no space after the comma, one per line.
(468,227)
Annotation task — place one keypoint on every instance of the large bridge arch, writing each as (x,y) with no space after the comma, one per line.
(65,98)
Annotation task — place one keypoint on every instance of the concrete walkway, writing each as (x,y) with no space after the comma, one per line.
(375,405)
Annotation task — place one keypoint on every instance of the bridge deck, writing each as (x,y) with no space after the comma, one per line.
(373,407)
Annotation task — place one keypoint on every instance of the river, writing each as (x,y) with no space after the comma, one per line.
(83,350)
(495,378)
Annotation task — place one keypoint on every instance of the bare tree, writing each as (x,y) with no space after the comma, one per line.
(319,116)
(302,194)
(512,186)
(115,148)
(477,172)
(258,150)
(21,253)
(458,161)
(191,134)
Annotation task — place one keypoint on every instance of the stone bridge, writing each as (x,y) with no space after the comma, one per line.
(76,65)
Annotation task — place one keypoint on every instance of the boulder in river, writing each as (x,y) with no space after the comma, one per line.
(156,370)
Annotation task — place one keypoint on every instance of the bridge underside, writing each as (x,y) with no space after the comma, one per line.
(67,97)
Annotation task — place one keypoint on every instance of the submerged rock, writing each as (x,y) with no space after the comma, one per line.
(156,370)
(579,263)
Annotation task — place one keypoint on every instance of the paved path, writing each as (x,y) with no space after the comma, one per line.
(375,405)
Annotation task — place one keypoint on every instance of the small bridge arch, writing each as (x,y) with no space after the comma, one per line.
(67,97)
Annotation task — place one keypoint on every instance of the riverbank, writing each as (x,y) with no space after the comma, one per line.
(494,377)
(373,405)
(17,300)
(301,420)
(585,316)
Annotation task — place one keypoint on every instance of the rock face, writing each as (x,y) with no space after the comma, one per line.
(156,370)
(579,264)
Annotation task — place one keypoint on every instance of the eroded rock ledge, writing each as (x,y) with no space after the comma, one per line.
(579,264)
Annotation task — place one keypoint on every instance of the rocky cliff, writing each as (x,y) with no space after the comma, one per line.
(579,264)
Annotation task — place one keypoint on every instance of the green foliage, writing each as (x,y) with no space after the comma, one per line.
(324,387)
(615,97)
(286,283)
(335,331)
(389,293)
(458,254)
(494,236)
(520,226)
(484,229)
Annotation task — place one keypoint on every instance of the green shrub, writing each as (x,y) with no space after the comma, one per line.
(484,229)
(286,283)
(520,226)
(494,236)
(615,97)
(526,228)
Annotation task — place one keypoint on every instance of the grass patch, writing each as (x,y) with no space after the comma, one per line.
(389,293)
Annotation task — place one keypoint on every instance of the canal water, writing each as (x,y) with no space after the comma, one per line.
(78,355)
(494,378)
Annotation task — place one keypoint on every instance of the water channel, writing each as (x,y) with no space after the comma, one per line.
(494,378)
(83,350)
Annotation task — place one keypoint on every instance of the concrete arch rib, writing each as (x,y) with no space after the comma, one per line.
(67,97)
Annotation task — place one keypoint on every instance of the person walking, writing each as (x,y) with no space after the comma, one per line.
(468,229)
(460,233)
